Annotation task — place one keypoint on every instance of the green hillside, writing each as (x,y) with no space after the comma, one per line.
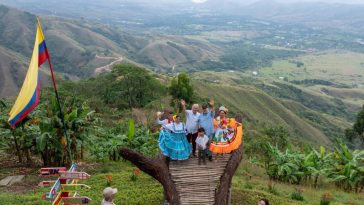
(82,48)
(108,96)
(336,74)
(298,90)
(261,108)
(243,94)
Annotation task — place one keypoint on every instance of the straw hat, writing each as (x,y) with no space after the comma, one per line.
(109,192)
(222,108)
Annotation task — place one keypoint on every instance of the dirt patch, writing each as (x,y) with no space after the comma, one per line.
(10,167)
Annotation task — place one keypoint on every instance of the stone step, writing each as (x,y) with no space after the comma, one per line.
(10,180)
(6,181)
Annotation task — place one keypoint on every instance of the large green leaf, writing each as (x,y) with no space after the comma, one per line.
(322,152)
(42,141)
(131,133)
(71,116)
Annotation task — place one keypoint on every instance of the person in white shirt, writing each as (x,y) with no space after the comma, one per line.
(109,194)
(166,118)
(176,126)
(191,124)
(201,142)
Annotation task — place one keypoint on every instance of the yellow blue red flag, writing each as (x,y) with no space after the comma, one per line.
(28,97)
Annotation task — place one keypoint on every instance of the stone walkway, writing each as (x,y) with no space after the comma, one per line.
(10,180)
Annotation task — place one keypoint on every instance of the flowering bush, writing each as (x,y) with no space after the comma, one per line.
(135,174)
(108,180)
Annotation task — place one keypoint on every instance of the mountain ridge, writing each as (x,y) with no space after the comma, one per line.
(76,45)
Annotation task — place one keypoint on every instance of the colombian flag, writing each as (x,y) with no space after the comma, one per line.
(28,97)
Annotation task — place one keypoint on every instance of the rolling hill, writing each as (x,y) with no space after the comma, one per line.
(78,47)
(244,94)
(166,54)
(82,48)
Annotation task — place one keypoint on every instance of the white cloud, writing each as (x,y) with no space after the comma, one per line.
(198,1)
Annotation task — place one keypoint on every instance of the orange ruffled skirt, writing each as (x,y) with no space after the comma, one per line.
(225,147)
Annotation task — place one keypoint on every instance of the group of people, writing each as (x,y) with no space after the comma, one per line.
(201,131)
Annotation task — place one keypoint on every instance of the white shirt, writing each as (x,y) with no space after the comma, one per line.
(106,202)
(162,122)
(192,121)
(202,141)
(174,126)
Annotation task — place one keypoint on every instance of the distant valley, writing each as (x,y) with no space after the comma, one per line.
(307,78)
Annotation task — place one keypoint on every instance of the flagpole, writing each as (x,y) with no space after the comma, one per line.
(60,110)
(59,105)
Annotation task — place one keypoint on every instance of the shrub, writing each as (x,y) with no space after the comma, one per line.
(326,199)
(297,195)
(271,188)
(248,185)
(135,174)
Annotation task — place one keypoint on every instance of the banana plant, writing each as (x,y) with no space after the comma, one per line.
(348,168)
(283,166)
(79,120)
(317,163)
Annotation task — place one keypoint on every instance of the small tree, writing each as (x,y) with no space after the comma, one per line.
(358,128)
(181,88)
(134,84)
(359,124)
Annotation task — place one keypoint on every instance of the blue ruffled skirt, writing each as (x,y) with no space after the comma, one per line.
(174,145)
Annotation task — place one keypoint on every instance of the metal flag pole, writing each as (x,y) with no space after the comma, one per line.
(59,104)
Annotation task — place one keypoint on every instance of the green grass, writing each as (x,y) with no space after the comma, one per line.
(338,66)
(146,190)
(255,176)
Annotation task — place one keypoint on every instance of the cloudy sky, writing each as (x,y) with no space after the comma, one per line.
(293,1)
(327,1)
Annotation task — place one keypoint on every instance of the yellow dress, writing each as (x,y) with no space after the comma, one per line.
(228,136)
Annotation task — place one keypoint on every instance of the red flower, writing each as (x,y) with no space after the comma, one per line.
(109,178)
(136,171)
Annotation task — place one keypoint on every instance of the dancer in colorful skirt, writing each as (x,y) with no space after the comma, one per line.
(228,133)
(173,142)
